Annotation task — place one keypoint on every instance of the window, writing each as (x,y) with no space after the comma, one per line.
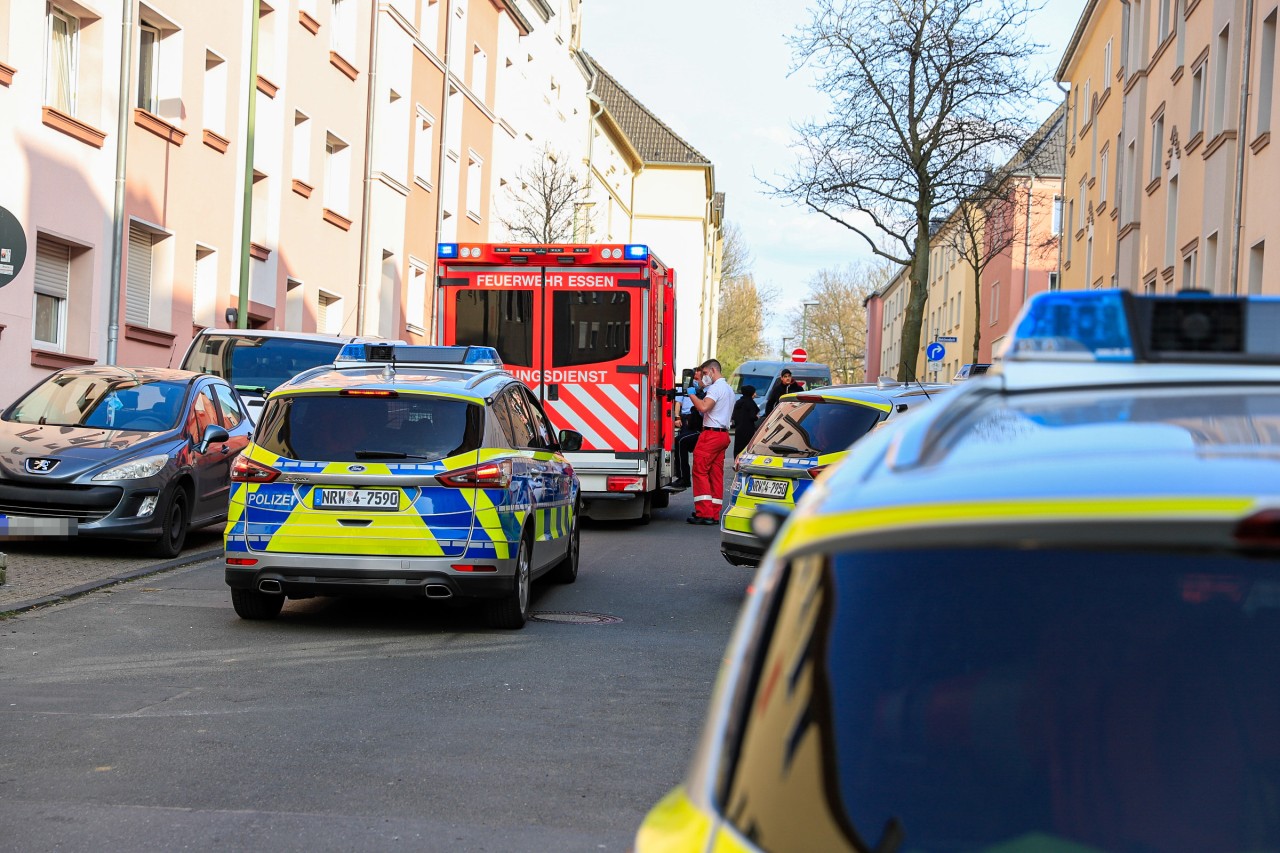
(516,420)
(542,429)
(302,147)
(337,174)
(1157,145)
(1267,72)
(148,69)
(423,147)
(232,414)
(994,308)
(1197,99)
(1102,176)
(1057,214)
(1071,206)
(1075,111)
(342,27)
(497,318)
(204,289)
(215,93)
(204,413)
(479,73)
(590,328)
(1189,261)
(295,294)
(1211,263)
(1053,281)
(1084,205)
(53,284)
(415,310)
(474,177)
(429,24)
(1220,80)
(137,288)
(62,58)
(1088,259)
(1256,253)
(1088,103)
(1106,65)
(328,313)
(1165,22)
(1171,222)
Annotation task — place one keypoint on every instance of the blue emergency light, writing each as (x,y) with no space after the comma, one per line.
(447,250)
(400,353)
(636,252)
(1117,326)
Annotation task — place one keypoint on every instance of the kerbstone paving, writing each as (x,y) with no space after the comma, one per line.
(43,572)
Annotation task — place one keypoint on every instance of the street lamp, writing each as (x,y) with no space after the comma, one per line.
(784,345)
(804,322)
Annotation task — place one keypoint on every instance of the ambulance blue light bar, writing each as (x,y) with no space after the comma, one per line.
(447,250)
(472,356)
(636,252)
(1118,326)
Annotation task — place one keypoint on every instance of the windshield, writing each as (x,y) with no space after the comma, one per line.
(758,381)
(812,429)
(1017,700)
(257,363)
(344,429)
(107,402)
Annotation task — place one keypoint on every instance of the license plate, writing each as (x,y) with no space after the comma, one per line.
(767,488)
(383,499)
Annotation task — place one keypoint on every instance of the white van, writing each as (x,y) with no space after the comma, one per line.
(763,375)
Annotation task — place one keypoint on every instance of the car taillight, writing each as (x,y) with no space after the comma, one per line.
(816,470)
(245,470)
(471,567)
(486,475)
(241,561)
(625,484)
(1260,531)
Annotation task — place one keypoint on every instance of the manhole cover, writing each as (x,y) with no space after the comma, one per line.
(573,618)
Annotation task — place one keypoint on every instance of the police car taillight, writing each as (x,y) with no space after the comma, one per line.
(487,475)
(367,392)
(816,470)
(245,470)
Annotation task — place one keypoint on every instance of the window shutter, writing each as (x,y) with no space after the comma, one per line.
(137,296)
(322,312)
(53,268)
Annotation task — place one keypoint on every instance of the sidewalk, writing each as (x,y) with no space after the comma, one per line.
(40,573)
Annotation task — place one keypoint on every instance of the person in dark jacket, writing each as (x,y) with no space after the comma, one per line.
(745,413)
(686,440)
(785,385)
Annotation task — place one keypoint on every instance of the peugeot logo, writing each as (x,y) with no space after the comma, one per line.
(41,466)
(355,469)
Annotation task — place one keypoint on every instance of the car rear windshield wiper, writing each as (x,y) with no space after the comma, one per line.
(390,454)
(787,450)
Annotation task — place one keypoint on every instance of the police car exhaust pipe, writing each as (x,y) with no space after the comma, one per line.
(270,586)
(438,590)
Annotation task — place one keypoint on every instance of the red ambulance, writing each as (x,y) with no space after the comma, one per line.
(591,330)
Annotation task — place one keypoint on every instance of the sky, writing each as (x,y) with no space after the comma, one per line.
(717,73)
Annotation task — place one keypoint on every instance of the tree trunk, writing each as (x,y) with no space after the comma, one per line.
(977,314)
(909,363)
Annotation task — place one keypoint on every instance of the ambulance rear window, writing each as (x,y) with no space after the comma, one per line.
(502,319)
(332,428)
(591,327)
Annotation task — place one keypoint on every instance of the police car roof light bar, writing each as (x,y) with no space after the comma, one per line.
(413,354)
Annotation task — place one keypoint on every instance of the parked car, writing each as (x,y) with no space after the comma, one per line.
(404,472)
(1042,614)
(257,361)
(133,453)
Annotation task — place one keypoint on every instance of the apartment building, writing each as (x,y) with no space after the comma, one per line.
(975,294)
(1167,188)
(648,185)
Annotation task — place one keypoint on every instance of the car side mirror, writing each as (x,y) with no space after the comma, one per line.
(767,521)
(570,441)
(213,434)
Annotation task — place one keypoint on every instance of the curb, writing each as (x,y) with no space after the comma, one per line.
(77,591)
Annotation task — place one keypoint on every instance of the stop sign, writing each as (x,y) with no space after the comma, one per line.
(798,354)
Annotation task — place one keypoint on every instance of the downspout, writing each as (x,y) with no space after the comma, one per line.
(362,287)
(117,211)
(1237,220)
(1063,235)
(242,303)
(444,132)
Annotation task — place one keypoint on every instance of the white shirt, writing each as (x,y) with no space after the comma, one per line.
(722,412)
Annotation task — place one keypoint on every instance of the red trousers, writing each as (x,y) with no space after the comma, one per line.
(708,474)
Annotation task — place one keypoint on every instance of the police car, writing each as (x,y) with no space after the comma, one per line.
(1042,614)
(804,435)
(403,471)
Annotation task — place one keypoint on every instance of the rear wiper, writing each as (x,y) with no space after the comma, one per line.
(390,454)
(787,450)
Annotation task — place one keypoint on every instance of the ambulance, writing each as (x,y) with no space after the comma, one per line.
(591,330)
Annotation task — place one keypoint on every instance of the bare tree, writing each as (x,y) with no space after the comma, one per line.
(834,328)
(740,336)
(979,231)
(549,202)
(735,256)
(927,95)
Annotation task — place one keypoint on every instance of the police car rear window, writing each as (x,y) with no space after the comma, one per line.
(812,429)
(1017,699)
(343,429)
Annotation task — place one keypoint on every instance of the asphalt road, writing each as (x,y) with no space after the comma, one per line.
(149,717)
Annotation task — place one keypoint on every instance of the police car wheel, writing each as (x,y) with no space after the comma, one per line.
(566,571)
(173,520)
(251,604)
(511,610)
